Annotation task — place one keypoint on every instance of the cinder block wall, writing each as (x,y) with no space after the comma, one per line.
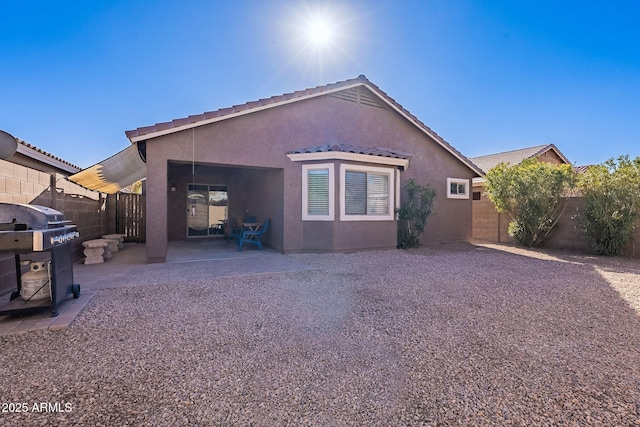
(568,233)
(488,224)
(486,220)
(84,208)
(491,226)
(19,184)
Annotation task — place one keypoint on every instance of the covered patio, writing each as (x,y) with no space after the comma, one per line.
(205,200)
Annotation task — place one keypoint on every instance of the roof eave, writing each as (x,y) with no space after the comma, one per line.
(170,130)
(341,155)
(422,127)
(46,159)
(356,83)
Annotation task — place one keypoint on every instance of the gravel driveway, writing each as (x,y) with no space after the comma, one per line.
(439,336)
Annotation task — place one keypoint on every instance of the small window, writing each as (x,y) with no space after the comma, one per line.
(318,192)
(457,188)
(477,195)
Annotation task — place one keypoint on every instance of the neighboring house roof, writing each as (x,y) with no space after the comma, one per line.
(165,128)
(515,157)
(42,156)
(582,169)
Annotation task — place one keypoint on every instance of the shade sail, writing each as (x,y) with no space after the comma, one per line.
(116,172)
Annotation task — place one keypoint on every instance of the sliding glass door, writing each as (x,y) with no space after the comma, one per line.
(207,212)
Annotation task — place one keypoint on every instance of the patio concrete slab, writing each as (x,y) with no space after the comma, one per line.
(67,312)
(186,260)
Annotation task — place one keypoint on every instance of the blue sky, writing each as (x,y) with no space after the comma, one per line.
(488,76)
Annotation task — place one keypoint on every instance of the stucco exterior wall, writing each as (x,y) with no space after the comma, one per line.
(180,176)
(261,193)
(260,141)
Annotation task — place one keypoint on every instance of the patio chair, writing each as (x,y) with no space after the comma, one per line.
(235,232)
(253,237)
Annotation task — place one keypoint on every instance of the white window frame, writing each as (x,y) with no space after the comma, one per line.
(464,195)
(305,192)
(390,216)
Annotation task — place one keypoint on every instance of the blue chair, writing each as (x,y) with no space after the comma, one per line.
(235,232)
(253,237)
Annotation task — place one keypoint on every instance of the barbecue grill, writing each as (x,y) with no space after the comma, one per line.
(28,229)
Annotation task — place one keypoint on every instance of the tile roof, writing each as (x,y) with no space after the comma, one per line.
(246,107)
(356,149)
(176,125)
(44,153)
(582,169)
(514,157)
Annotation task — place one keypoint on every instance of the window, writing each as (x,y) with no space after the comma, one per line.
(318,192)
(366,193)
(477,195)
(457,188)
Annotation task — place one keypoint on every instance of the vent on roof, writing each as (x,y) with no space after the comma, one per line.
(359,95)
(347,95)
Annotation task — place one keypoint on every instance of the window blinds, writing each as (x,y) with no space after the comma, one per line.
(377,194)
(366,193)
(355,193)
(318,192)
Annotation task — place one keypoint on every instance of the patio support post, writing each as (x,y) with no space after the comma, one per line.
(156,212)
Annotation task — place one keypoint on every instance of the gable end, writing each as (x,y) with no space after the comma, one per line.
(360,95)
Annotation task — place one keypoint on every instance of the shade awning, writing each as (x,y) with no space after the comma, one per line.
(116,172)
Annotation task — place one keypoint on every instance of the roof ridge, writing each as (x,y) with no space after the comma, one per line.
(541,148)
(164,128)
(244,106)
(420,123)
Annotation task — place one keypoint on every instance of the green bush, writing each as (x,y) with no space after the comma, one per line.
(611,204)
(531,193)
(413,213)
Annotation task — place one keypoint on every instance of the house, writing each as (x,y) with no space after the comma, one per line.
(326,165)
(488,223)
(547,153)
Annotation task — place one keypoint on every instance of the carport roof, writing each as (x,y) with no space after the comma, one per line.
(159,129)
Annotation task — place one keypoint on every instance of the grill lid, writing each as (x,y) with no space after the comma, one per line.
(33,217)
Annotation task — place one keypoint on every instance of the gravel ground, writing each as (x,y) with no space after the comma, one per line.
(439,336)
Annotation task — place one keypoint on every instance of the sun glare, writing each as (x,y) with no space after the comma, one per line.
(320,38)
(319,32)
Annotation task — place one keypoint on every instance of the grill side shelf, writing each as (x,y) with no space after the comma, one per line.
(16,241)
